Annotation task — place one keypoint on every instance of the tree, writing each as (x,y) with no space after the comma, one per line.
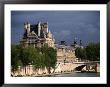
(93,51)
(49,57)
(15,57)
(52,58)
(90,52)
(80,53)
(38,57)
(28,56)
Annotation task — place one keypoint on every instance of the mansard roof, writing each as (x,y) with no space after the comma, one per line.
(34,28)
(63,46)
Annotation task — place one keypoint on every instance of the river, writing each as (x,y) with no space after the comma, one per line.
(77,74)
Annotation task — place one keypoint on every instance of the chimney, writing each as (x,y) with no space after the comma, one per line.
(39,28)
(63,43)
(28,28)
(47,27)
(25,26)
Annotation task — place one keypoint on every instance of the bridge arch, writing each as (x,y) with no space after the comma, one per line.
(79,68)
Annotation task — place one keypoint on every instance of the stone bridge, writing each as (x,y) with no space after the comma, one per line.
(78,66)
(89,66)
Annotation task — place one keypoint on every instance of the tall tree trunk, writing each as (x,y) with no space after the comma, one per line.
(25,69)
(49,70)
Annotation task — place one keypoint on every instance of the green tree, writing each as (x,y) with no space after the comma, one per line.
(49,57)
(93,51)
(80,53)
(38,61)
(15,57)
(90,52)
(28,55)
(52,59)
(38,57)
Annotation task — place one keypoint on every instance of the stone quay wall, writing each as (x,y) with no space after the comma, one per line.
(60,67)
(29,70)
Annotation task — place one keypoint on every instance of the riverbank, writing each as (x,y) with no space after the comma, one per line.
(72,74)
(44,75)
(62,68)
(79,74)
(66,74)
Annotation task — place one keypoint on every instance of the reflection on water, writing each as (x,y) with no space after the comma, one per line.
(78,74)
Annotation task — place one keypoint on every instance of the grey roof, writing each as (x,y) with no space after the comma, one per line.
(63,46)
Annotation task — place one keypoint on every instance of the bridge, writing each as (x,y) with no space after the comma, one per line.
(89,66)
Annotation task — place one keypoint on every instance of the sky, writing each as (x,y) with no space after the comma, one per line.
(64,25)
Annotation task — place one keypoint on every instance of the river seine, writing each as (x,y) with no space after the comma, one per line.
(77,74)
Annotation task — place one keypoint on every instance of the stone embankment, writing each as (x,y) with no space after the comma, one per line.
(60,68)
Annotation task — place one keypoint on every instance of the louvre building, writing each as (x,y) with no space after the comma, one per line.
(38,34)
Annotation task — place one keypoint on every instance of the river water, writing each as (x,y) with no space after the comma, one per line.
(77,74)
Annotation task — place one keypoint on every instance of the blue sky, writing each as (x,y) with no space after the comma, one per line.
(64,25)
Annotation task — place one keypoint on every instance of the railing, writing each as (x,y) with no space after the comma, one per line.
(86,62)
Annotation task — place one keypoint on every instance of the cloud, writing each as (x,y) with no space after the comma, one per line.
(65,25)
(65,32)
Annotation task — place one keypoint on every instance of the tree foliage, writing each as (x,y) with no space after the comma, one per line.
(90,52)
(80,53)
(15,54)
(28,55)
(49,56)
(93,51)
(38,57)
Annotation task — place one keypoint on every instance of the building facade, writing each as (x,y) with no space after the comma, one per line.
(37,35)
(65,53)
